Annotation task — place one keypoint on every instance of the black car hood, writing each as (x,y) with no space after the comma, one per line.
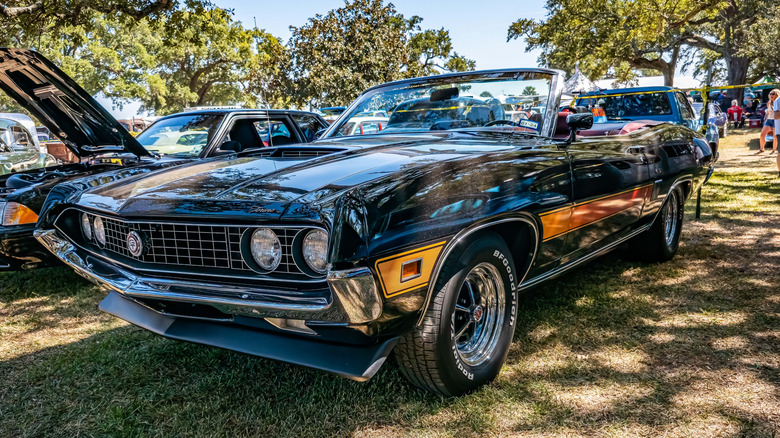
(271,185)
(62,105)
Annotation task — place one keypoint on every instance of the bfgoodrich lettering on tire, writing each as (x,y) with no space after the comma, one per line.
(465,335)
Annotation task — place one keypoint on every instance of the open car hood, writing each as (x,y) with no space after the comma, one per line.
(62,105)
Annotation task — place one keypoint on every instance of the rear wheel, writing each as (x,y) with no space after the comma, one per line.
(660,242)
(465,335)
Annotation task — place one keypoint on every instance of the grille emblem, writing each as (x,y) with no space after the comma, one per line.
(135,244)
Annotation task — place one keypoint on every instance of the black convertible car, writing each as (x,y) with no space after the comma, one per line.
(107,151)
(414,241)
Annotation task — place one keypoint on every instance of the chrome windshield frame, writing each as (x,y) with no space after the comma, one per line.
(548,120)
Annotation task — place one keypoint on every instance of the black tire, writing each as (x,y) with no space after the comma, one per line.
(431,356)
(660,242)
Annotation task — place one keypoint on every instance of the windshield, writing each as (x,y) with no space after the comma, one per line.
(630,105)
(184,135)
(512,101)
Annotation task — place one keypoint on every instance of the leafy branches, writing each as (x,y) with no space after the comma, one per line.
(364,43)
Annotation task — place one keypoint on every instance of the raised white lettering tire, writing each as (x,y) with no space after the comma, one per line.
(466,333)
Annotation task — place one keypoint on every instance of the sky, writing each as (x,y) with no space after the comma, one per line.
(478,30)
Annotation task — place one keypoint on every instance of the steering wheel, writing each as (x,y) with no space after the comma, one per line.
(500,122)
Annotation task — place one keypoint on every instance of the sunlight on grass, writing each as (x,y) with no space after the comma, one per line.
(688,348)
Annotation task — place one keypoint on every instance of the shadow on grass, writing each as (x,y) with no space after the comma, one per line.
(654,332)
(615,348)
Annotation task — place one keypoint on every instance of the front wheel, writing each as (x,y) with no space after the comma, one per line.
(465,335)
(724,131)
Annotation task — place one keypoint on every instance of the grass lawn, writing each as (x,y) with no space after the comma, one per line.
(686,348)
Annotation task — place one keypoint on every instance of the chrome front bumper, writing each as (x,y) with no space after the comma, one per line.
(354,297)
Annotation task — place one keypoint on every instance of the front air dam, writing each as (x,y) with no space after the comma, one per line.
(353,362)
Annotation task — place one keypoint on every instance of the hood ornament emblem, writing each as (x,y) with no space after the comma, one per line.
(135,244)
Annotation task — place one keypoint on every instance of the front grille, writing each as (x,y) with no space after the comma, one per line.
(195,245)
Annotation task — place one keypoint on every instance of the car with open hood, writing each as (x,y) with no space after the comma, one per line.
(19,148)
(106,150)
(416,240)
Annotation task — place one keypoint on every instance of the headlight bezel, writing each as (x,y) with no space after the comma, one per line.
(85,223)
(98,230)
(312,233)
(291,240)
(252,249)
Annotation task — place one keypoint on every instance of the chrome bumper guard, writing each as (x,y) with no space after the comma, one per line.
(354,299)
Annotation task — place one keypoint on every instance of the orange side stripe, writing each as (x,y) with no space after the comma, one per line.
(561,221)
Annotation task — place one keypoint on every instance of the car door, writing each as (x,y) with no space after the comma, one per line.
(610,183)
(549,182)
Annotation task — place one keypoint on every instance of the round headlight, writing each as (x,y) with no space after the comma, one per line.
(86,226)
(315,250)
(100,231)
(266,249)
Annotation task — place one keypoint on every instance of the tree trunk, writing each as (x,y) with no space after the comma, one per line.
(737,75)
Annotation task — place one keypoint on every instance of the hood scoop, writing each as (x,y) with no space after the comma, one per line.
(294,152)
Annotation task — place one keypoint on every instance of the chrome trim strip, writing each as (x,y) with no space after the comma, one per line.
(525,217)
(561,269)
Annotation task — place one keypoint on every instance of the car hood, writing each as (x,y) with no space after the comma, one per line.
(62,105)
(270,186)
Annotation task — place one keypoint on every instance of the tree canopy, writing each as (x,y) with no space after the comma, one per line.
(366,42)
(622,36)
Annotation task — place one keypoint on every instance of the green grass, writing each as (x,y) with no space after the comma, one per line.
(685,348)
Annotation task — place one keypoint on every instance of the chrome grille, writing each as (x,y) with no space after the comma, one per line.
(194,245)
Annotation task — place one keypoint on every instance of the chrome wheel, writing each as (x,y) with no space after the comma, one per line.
(670,218)
(479,314)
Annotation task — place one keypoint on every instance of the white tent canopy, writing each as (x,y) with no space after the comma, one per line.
(579,83)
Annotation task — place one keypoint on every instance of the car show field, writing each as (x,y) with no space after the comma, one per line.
(614,348)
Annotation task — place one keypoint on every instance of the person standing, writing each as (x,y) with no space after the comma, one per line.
(776,111)
(769,122)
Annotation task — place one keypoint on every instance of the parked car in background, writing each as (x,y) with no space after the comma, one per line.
(104,149)
(364,125)
(416,240)
(19,149)
(717,118)
(331,113)
(661,104)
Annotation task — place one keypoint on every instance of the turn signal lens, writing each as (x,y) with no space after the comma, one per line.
(18,214)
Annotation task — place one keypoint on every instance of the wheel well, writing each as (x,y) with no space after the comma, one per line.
(520,238)
(518,234)
(686,189)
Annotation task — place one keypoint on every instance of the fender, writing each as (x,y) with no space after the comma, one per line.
(524,217)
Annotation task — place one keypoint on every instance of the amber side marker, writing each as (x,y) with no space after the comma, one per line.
(411,269)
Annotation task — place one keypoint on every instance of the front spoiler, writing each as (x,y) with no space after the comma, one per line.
(354,362)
